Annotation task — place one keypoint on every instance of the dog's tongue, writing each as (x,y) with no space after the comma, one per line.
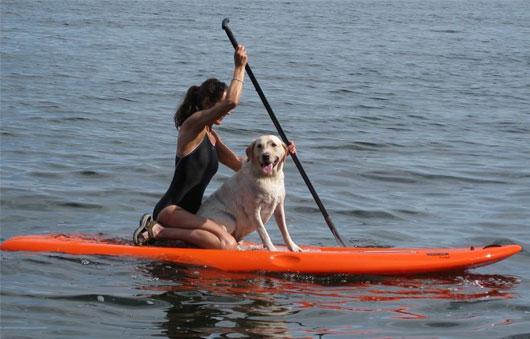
(268,168)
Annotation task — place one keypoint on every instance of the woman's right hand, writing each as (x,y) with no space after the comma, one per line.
(240,56)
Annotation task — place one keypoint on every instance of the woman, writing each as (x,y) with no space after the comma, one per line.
(199,149)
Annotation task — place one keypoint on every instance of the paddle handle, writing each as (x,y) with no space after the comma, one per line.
(284,138)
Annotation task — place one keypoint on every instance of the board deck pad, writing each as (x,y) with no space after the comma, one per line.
(253,258)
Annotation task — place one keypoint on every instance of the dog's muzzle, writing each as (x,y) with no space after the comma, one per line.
(267,165)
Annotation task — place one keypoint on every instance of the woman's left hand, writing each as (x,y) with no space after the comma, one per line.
(292,147)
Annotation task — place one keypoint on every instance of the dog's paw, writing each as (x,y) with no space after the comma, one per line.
(272,248)
(294,248)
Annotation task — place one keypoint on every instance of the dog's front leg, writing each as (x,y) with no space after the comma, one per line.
(279,215)
(260,227)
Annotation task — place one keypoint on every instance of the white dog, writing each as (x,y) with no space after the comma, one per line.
(247,200)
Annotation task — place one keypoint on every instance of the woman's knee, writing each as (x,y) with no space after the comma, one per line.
(228,242)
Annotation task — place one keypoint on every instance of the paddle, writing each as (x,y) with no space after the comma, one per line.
(284,138)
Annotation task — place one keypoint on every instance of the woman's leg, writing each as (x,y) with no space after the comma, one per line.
(175,223)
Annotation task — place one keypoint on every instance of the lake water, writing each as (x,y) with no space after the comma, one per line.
(411,118)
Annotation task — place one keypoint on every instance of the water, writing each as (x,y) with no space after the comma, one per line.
(411,118)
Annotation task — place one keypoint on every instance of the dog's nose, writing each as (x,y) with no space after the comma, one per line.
(266,157)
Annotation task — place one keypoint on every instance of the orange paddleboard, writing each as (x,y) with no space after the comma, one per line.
(313,260)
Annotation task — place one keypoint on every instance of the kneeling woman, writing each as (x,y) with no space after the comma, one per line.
(199,149)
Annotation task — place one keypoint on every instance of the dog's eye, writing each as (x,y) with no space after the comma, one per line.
(273,145)
(259,146)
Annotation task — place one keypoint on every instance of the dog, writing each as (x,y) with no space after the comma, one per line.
(247,200)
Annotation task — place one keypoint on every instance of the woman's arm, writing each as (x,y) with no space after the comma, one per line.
(218,110)
(226,156)
(193,129)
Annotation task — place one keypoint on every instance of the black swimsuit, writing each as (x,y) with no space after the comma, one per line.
(193,173)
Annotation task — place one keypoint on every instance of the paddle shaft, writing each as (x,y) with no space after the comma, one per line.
(284,138)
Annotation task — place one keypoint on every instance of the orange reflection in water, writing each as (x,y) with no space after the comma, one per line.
(334,292)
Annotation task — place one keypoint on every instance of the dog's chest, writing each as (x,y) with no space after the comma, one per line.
(268,192)
(260,195)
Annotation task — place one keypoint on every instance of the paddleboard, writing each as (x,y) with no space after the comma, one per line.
(313,260)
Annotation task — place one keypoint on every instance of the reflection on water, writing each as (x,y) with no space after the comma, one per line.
(203,300)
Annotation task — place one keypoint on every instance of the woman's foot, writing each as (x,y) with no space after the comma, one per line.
(145,228)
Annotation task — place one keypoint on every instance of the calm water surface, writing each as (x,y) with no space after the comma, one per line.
(412,119)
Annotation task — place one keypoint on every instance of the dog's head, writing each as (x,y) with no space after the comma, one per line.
(267,155)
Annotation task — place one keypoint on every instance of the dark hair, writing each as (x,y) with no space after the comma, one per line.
(212,89)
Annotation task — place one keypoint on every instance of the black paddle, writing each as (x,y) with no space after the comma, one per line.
(284,138)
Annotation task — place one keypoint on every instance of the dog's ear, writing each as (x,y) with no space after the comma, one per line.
(285,151)
(250,151)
